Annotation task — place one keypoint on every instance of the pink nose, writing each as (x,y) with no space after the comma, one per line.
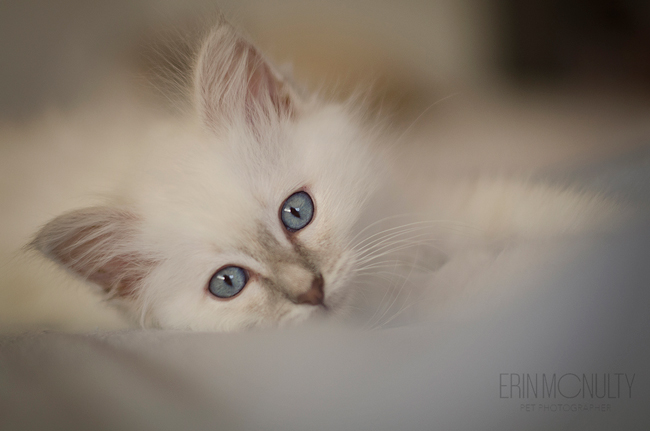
(314,296)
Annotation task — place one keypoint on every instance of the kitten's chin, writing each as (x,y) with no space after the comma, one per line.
(305,313)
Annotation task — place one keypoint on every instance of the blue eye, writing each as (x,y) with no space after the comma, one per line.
(228,282)
(297,211)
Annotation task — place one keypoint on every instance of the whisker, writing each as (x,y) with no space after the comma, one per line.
(403,247)
(370,321)
(380,221)
(380,274)
(387,236)
(387,263)
(391,242)
(406,306)
(410,227)
(441,223)
(401,289)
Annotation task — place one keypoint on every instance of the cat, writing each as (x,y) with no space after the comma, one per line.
(241,217)
(266,206)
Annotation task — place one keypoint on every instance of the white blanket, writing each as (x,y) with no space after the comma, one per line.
(584,316)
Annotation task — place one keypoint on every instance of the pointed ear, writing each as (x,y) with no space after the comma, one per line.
(234,82)
(99,245)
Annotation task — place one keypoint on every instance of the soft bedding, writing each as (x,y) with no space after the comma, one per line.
(580,312)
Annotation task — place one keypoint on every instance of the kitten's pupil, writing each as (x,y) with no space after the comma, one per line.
(297,211)
(293,210)
(228,281)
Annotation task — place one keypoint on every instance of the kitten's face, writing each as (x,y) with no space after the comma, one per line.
(244,223)
(225,209)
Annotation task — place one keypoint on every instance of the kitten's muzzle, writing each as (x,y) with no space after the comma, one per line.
(315,294)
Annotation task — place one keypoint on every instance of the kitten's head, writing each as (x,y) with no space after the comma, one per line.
(242,221)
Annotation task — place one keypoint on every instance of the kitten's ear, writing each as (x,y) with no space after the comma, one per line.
(234,82)
(99,245)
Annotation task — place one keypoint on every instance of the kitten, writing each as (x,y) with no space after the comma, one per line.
(257,210)
(241,216)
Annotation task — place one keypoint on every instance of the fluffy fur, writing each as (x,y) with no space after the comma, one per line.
(208,195)
(204,191)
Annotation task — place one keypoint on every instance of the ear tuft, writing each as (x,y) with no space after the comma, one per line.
(234,82)
(97,244)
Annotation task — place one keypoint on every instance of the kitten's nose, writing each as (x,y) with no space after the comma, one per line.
(314,295)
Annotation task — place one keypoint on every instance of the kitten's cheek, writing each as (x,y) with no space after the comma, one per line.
(337,292)
(336,300)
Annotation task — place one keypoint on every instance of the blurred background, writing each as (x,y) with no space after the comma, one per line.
(533,88)
(412,51)
(489,84)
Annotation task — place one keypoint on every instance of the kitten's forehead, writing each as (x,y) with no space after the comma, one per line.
(321,149)
(189,185)
(226,189)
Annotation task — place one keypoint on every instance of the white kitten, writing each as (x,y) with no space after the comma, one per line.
(252,211)
(241,216)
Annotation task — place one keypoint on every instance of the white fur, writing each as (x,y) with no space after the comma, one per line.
(202,191)
(207,194)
